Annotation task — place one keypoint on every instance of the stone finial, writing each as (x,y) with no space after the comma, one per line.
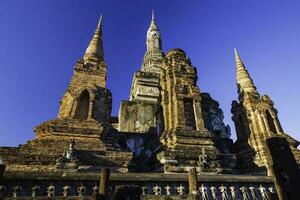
(154,55)
(244,82)
(153,18)
(236,54)
(100,21)
(153,42)
(153,22)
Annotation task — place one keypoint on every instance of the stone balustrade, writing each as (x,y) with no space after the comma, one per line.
(211,192)
(136,186)
(206,191)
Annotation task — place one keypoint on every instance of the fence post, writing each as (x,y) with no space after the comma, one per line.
(283,167)
(193,186)
(104,184)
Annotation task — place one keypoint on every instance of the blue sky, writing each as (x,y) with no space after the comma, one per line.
(40,42)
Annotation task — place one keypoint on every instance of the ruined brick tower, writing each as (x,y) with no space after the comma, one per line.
(255,119)
(87,96)
(139,113)
(80,138)
(187,143)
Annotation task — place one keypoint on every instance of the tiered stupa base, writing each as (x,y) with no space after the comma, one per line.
(93,148)
(191,148)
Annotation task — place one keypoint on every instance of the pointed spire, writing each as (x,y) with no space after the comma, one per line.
(100,22)
(153,18)
(153,56)
(153,25)
(95,48)
(237,56)
(153,42)
(244,82)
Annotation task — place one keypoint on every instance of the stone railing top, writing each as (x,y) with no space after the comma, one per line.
(139,177)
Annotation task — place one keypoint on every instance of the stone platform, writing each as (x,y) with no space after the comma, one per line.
(93,144)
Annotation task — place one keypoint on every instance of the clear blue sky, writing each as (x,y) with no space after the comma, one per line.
(40,42)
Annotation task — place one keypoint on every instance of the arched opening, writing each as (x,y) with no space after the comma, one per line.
(182,69)
(82,110)
(185,89)
(189,114)
(271,122)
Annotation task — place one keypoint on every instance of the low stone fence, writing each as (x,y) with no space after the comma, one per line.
(137,186)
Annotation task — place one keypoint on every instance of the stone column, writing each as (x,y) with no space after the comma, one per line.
(264,117)
(286,176)
(90,111)
(198,115)
(250,140)
(277,126)
(193,181)
(261,123)
(73,109)
(255,130)
(253,122)
(104,183)
(179,114)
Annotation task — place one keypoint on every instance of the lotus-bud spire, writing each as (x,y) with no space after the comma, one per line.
(153,35)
